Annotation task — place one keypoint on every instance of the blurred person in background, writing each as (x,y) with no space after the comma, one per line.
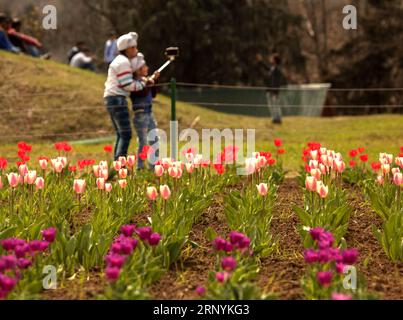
(5,43)
(24,42)
(74,50)
(111,49)
(274,81)
(84,60)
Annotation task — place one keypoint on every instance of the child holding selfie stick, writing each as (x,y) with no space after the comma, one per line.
(144,120)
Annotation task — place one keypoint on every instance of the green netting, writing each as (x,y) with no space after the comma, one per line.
(296,100)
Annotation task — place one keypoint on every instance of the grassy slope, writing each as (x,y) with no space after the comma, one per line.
(75,107)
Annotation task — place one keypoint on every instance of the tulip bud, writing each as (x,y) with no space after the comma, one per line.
(122,173)
(189,167)
(316,173)
(108,187)
(152,193)
(310,183)
(131,160)
(398,179)
(322,190)
(122,183)
(13,180)
(101,183)
(159,170)
(39,183)
(122,161)
(262,189)
(43,163)
(380,180)
(79,186)
(30,177)
(165,192)
(117,165)
(96,170)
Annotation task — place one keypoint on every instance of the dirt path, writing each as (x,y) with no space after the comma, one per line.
(193,269)
(281,273)
(383,277)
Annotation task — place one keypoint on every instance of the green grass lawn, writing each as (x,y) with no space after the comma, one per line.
(44,101)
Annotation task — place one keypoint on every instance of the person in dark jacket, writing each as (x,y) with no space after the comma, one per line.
(5,43)
(144,120)
(274,81)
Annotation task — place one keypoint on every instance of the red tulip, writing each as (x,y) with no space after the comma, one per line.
(108,148)
(278,142)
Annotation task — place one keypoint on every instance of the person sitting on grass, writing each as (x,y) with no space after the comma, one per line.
(144,120)
(84,60)
(5,43)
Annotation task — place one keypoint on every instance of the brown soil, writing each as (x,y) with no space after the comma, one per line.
(78,288)
(193,269)
(383,277)
(281,273)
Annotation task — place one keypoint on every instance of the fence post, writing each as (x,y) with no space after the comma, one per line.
(174,123)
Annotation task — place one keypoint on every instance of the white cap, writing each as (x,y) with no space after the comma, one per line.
(138,62)
(127,40)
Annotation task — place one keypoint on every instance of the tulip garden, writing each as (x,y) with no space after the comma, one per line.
(193,229)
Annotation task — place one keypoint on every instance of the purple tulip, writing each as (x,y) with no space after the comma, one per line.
(43,245)
(219,243)
(341,296)
(115,260)
(324,277)
(7,283)
(339,267)
(49,234)
(116,248)
(35,245)
(326,240)
(228,247)
(10,262)
(311,256)
(24,263)
(228,263)
(235,237)
(222,276)
(324,256)
(335,254)
(244,243)
(9,244)
(144,233)
(350,256)
(154,239)
(21,251)
(112,273)
(316,232)
(126,247)
(128,230)
(200,290)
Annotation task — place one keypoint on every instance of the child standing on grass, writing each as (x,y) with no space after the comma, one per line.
(144,120)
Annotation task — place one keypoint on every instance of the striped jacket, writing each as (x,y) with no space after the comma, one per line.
(120,80)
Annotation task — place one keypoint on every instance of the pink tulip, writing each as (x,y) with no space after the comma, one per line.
(108,187)
(398,179)
(399,161)
(165,192)
(20,179)
(314,154)
(122,161)
(322,168)
(261,161)
(395,170)
(96,170)
(189,167)
(385,168)
(122,173)
(339,165)
(30,177)
(322,190)
(39,183)
(341,296)
(58,166)
(103,164)
(152,193)
(79,186)
(101,183)
(313,164)
(189,156)
(122,183)
(380,180)
(159,170)
(131,160)
(262,189)
(13,180)
(63,160)
(179,174)
(310,183)
(250,165)
(324,158)
(23,169)
(173,172)
(316,173)
(104,174)
(166,162)
(117,165)
(43,163)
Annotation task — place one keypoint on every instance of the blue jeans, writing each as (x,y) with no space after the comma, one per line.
(118,110)
(144,122)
